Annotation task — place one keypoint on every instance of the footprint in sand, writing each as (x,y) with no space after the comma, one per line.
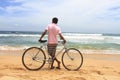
(13,67)
(83,72)
(106,67)
(1,75)
(118,72)
(98,72)
(8,78)
(71,78)
(18,68)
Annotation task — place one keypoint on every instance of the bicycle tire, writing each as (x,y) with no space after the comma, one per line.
(72,59)
(33,61)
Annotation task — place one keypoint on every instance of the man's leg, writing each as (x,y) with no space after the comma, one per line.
(58,67)
(54,58)
(51,51)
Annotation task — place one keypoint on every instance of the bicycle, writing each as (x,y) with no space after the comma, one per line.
(34,58)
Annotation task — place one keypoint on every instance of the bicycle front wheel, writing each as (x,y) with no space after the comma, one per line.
(33,58)
(72,59)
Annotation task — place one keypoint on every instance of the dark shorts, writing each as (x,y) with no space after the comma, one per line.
(52,49)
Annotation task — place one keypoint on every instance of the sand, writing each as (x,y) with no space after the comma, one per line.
(95,67)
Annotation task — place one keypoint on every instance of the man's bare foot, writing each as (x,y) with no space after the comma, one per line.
(52,67)
(58,68)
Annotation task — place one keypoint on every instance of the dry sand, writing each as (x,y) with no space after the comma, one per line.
(95,67)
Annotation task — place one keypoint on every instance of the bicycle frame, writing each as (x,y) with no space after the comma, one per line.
(44,44)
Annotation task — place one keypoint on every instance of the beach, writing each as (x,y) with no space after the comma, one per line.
(95,67)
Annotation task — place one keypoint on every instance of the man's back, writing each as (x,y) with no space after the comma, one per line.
(53,31)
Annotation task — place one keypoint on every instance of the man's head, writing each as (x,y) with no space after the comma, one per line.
(55,20)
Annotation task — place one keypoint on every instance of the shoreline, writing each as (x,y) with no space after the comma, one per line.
(83,51)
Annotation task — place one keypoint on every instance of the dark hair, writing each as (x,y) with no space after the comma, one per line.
(55,20)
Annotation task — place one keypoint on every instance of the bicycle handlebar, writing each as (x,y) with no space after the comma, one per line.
(44,41)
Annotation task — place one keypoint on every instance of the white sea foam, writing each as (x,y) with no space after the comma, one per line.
(21,35)
(91,38)
(84,36)
(78,34)
(6,47)
(100,51)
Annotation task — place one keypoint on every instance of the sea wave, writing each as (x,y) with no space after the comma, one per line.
(19,35)
(84,37)
(79,34)
(111,34)
(38,34)
(22,40)
(92,38)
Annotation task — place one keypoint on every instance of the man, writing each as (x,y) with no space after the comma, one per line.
(53,30)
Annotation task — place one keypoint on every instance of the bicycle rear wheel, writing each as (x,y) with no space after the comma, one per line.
(33,58)
(72,59)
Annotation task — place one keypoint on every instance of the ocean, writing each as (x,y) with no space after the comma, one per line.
(17,40)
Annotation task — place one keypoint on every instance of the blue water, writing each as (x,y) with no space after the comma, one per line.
(23,39)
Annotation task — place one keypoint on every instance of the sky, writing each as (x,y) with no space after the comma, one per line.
(85,16)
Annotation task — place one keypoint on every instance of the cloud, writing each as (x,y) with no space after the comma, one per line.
(72,14)
(85,8)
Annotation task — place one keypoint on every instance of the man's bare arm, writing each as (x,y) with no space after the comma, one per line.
(61,37)
(43,34)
